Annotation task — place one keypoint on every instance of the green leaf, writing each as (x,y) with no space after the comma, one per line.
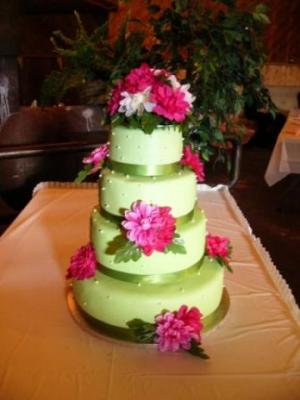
(148,122)
(177,246)
(143,331)
(83,173)
(129,251)
(196,350)
(117,243)
(153,9)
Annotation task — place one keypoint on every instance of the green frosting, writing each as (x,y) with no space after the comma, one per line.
(115,302)
(118,191)
(133,146)
(192,233)
(143,288)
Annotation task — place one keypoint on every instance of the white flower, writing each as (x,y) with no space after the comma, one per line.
(174,82)
(136,103)
(188,97)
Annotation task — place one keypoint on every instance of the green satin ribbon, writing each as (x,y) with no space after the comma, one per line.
(152,279)
(116,219)
(122,333)
(144,170)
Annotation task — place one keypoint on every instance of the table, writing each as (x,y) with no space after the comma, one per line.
(45,354)
(285,157)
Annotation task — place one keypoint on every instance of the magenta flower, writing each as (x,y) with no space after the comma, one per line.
(83,263)
(150,227)
(217,246)
(96,157)
(139,79)
(176,330)
(147,89)
(170,103)
(114,102)
(192,160)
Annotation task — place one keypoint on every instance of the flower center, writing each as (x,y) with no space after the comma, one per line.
(145,223)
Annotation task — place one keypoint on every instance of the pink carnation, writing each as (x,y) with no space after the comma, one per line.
(96,157)
(114,102)
(150,227)
(192,160)
(83,263)
(217,246)
(176,330)
(168,98)
(139,79)
(170,103)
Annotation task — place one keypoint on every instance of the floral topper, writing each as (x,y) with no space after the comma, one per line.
(219,248)
(172,331)
(148,97)
(148,228)
(93,162)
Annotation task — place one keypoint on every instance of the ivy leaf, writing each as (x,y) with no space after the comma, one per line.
(177,246)
(153,9)
(148,122)
(82,174)
(143,331)
(117,243)
(129,251)
(196,350)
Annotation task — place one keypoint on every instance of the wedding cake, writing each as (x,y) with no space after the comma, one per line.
(150,264)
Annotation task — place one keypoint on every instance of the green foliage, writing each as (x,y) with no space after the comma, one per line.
(82,174)
(177,246)
(123,249)
(220,52)
(91,57)
(222,55)
(144,332)
(197,350)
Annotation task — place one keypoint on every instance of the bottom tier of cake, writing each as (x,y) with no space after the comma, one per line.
(113,302)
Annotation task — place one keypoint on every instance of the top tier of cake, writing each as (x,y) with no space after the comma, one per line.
(132,146)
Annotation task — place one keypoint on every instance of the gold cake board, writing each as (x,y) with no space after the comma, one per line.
(103,330)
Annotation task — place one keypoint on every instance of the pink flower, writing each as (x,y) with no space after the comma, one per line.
(139,79)
(193,161)
(176,330)
(83,263)
(217,246)
(170,103)
(114,102)
(96,157)
(150,227)
(154,90)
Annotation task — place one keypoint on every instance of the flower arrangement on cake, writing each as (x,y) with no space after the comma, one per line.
(149,97)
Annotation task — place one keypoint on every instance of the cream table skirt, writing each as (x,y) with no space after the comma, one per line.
(46,355)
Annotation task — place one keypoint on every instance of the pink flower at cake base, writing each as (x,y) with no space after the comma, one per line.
(96,157)
(191,159)
(177,330)
(150,227)
(83,263)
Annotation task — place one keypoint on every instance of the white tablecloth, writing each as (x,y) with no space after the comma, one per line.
(285,157)
(46,355)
